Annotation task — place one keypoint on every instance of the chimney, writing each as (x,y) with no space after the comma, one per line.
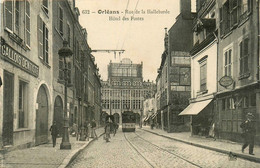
(185,8)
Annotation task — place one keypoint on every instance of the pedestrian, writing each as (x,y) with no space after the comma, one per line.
(54,133)
(115,128)
(93,129)
(107,132)
(75,130)
(249,132)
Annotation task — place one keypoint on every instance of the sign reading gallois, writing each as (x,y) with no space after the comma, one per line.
(17,59)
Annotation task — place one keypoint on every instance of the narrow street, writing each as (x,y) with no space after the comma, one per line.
(143,149)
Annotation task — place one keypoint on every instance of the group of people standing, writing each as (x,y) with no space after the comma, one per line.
(90,131)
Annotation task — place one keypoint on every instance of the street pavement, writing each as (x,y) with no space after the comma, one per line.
(219,145)
(144,149)
(44,156)
(150,148)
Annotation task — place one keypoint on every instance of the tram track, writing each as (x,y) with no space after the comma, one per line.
(136,150)
(156,147)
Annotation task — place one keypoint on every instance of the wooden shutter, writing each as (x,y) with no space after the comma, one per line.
(40,37)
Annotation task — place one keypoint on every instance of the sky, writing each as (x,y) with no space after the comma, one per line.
(142,38)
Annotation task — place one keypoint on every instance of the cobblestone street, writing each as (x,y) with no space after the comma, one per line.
(149,150)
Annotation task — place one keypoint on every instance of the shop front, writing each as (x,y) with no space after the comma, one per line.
(201,115)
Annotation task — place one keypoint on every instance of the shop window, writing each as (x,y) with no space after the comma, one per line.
(244,55)
(228,62)
(23,110)
(253,99)
(223,104)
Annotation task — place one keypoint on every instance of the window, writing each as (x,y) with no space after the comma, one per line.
(8,17)
(22,116)
(43,42)
(244,54)
(234,12)
(17,17)
(60,20)
(69,34)
(253,99)
(45,6)
(27,23)
(245,102)
(228,62)
(203,75)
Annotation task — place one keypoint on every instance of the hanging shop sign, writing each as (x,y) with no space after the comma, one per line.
(17,59)
(226,81)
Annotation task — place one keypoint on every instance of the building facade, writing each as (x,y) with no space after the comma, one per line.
(26,94)
(174,71)
(203,70)
(125,89)
(238,65)
(32,94)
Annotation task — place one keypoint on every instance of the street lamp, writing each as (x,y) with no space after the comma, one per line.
(65,52)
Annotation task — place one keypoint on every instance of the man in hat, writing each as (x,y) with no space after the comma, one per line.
(249,131)
(54,133)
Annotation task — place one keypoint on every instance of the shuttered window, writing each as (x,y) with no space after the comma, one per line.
(8,17)
(244,55)
(27,23)
(43,41)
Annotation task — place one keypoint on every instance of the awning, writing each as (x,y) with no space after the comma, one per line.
(195,108)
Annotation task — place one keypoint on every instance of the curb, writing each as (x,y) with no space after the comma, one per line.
(71,157)
(239,155)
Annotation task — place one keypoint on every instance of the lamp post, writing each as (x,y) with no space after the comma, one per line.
(65,52)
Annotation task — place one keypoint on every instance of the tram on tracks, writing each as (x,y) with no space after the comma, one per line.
(128,121)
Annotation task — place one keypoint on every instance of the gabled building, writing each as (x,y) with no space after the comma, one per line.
(174,71)
(203,70)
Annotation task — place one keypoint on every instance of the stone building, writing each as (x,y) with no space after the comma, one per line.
(32,94)
(174,71)
(238,66)
(26,95)
(203,70)
(125,89)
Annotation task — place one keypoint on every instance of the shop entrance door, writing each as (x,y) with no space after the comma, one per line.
(8,113)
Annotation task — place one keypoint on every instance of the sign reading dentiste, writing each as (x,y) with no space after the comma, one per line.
(226,81)
(17,59)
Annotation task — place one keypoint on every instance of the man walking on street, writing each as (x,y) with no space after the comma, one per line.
(93,129)
(54,133)
(249,132)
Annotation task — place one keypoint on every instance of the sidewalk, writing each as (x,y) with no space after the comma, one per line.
(223,146)
(45,155)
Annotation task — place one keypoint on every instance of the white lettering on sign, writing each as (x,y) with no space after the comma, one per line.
(12,56)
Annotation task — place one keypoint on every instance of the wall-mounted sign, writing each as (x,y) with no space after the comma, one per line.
(17,59)
(226,81)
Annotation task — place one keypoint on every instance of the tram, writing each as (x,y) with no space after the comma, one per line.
(128,121)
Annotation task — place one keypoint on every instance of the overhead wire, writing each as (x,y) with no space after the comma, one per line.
(130,22)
